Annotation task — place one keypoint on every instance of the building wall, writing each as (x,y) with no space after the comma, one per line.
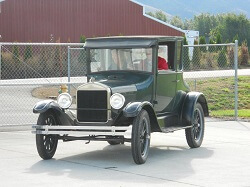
(43,20)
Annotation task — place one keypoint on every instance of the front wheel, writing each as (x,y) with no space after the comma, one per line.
(195,134)
(46,144)
(140,142)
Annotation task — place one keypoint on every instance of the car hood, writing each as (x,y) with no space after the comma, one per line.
(125,81)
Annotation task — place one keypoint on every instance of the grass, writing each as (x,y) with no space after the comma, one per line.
(230,113)
(220,95)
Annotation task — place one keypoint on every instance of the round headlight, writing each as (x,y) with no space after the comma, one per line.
(64,100)
(117,100)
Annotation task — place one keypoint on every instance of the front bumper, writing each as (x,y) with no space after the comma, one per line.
(83,130)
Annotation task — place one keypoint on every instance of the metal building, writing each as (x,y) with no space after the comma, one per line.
(49,20)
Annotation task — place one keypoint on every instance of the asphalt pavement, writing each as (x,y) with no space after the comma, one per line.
(223,160)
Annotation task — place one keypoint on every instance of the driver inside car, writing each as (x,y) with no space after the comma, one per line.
(162,63)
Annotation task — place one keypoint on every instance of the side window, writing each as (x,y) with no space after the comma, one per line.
(167,51)
(163,57)
(179,55)
(163,52)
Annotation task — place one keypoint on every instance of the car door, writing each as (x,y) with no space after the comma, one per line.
(165,91)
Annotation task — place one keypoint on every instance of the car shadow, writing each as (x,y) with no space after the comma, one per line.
(165,162)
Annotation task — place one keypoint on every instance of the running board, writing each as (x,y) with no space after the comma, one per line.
(172,129)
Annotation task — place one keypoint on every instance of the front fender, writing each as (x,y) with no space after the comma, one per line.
(188,107)
(64,118)
(43,106)
(133,109)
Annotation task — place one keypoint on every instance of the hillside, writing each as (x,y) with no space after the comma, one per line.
(187,9)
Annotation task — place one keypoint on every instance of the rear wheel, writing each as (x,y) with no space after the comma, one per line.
(140,142)
(195,134)
(46,144)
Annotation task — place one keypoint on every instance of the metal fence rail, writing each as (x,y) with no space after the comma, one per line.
(31,72)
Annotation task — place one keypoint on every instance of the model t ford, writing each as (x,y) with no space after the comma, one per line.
(135,87)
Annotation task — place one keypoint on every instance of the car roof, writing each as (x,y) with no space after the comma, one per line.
(128,41)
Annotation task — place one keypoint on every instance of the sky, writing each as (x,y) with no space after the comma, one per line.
(189,8)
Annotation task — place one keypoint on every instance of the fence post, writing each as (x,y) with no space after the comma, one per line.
(69,69)
(0,61)
(236,80)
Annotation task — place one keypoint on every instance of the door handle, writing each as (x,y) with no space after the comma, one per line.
(176,81)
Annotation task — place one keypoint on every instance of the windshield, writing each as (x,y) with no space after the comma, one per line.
(121,59)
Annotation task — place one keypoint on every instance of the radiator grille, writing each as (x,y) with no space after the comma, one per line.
(92,105)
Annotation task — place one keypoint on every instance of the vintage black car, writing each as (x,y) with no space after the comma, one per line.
(126,98)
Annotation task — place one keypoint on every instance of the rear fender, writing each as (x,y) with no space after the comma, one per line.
(188,107)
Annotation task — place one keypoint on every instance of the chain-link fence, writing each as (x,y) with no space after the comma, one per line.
(212,69)
(26,60)
(33,72)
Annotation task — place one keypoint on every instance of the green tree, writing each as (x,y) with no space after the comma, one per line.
(218,38)
(204,23)
(218,41)
(27,52)
(177,21)
(196,57)
(233,24)
(236,37)
(211,48)
(222,58)
(228,25)
(211,41)
(202,41)
(244,55)
(159,15)
(231,56)
(151,14)
(188,24)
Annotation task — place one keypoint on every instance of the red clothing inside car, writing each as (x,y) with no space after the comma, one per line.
(162,64)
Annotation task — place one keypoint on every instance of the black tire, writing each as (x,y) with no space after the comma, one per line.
(140,142)
(46,144)
(195,134)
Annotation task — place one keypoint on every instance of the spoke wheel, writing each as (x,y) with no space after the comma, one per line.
(195,134)
(140,142)
(46,144)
